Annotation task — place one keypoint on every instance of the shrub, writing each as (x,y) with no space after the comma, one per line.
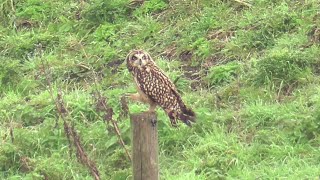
(38,11)
(283,66)
(151,6)
(9,73)
(110,11)
(106,32)
(261,27)
(223,73)
(23,45)
(202,47)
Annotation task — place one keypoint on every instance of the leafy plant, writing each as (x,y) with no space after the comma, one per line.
(101,11)
(202,47)
(151,7)
(259,30)
(106,32)
(218,75)
(10,73)
(283,66)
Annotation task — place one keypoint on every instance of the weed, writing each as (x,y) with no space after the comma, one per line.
(101,11)
(151,7)
(222,73)
(283,66)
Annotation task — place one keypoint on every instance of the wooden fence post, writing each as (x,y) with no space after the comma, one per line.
(144,146)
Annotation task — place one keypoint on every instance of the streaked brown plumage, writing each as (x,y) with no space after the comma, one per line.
(155,88)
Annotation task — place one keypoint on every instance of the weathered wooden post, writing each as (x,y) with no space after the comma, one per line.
(144,146)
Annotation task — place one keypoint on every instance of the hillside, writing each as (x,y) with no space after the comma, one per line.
(248,68)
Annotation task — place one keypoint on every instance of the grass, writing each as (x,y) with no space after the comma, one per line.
(250,72)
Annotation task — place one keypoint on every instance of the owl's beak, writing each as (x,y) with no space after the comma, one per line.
(140,62)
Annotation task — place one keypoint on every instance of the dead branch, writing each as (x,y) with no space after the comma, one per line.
(101,105)
(11,133)
(62,114)
(108,117)
(72,136)
(82,156)
(124,107)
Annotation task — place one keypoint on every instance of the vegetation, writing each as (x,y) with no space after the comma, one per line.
(249,69)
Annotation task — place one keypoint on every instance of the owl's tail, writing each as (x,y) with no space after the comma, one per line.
(187,115)
(184,114)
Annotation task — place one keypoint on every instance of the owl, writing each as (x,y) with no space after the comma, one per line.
(156,89)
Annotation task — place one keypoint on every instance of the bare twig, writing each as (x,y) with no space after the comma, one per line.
(82,156)
(11,133)
(73,136)
(70,132)
(62,114)
(124,107)
(102,106)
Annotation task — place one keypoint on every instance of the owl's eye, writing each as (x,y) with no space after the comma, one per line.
(134,58)
(144,57)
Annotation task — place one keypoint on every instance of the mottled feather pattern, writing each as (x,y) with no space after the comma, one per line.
(158,87)
(152,81)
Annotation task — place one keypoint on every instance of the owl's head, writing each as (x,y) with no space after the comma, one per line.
(138,59)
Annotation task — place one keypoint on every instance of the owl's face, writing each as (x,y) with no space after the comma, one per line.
(138,59)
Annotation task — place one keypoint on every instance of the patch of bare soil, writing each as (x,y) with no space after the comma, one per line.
(314,35)
(186,55)
(113,65)
(25,24)
(170,52)
(221,37)
(314,39)
(194,74)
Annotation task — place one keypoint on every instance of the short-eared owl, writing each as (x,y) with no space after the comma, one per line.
(155,88)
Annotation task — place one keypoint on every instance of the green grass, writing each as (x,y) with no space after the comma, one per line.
(251,74)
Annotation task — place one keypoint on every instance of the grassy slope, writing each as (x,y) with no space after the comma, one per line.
(251,75)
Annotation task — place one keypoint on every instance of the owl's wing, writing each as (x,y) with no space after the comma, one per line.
(160,89)
(157,86)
